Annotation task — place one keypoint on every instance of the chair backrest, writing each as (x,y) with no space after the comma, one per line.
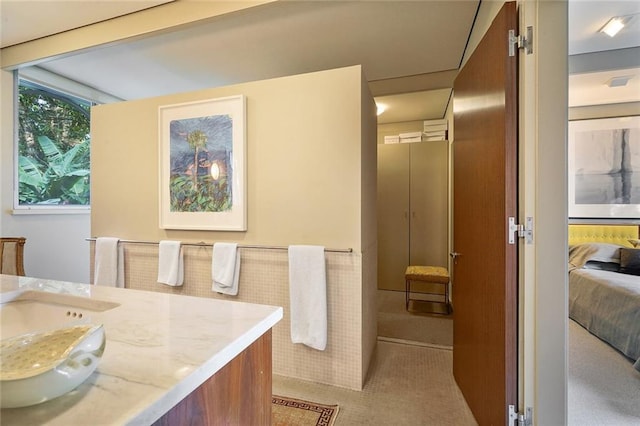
(12,255)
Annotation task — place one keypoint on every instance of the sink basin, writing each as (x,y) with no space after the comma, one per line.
(37,367)
(50,344)
(33,310)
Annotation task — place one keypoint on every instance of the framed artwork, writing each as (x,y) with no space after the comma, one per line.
(604,168)
(203,165)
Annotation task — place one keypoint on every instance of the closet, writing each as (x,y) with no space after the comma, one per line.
(412,209)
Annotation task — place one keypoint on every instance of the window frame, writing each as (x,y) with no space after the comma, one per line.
(64,87)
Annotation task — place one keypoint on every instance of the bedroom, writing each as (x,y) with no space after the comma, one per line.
(604,298)
(603,229)
(602,235)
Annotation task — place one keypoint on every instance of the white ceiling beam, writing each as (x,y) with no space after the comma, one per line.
(156,20)
(605,60)
(413,83)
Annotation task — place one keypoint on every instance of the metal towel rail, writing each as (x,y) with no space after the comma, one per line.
(244,246)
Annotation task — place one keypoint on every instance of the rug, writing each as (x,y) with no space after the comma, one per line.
(297,412)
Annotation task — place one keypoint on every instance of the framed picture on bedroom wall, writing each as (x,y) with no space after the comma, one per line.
(203,165)
(604,168)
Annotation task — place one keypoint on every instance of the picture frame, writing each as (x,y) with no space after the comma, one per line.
(203,165)
(604,168)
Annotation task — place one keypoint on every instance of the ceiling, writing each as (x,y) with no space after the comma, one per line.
(586,20)
(25,20)
(391,39)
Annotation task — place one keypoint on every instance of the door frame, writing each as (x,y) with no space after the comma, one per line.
(543,188)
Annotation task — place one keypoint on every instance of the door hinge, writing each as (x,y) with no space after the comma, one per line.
(520,419)
(521,42)
(522,231)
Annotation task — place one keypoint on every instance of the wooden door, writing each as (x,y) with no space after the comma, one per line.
(485,195)
(393,215)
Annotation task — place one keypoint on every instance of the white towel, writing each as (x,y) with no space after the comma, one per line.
(308,296)
(170,263)
(109,263)
(225,268)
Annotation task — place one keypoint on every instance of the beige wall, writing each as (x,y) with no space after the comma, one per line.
(369,229)
(264,276)
(56,243)
(304,170)
(311,172)
(6,146)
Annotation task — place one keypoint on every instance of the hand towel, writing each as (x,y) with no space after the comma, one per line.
(170,263)
(225,268)
(308,296)
(109,263)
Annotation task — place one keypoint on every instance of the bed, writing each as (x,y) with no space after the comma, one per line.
(604,284)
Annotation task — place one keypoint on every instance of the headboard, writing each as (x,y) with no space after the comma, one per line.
(613,234)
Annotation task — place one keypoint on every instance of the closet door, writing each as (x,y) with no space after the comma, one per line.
(393,215)
(428,204)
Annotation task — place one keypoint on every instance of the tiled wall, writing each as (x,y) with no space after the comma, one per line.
(369,306)
(264,279)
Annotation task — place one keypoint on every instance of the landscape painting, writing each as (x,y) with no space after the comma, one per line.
(202,173)
(604,168)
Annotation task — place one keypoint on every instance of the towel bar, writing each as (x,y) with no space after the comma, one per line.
(203,244)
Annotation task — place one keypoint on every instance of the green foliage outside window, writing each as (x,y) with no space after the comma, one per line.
(53,147)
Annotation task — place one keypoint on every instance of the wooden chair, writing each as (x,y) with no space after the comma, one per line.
(12,255)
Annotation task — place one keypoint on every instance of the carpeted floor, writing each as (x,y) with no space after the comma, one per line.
(407,385)
(394,322)
(297,412)
(603,386)
(410,379)
(411,385)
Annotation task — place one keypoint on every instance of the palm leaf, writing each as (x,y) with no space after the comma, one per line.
(29,172)
(69,158)
(49,149)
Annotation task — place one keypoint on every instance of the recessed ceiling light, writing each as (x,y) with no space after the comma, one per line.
(619,81)
(615,24)
(380,108)
(612,27)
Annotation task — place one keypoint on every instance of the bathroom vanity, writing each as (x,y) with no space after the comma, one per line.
(169,359)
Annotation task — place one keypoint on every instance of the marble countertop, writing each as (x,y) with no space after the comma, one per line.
(160,347)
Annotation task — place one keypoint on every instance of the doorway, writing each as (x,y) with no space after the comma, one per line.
(603,76)
(413,226)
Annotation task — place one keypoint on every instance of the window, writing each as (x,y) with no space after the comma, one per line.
(53,155)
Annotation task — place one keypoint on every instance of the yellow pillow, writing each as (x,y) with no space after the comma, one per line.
(635,243)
